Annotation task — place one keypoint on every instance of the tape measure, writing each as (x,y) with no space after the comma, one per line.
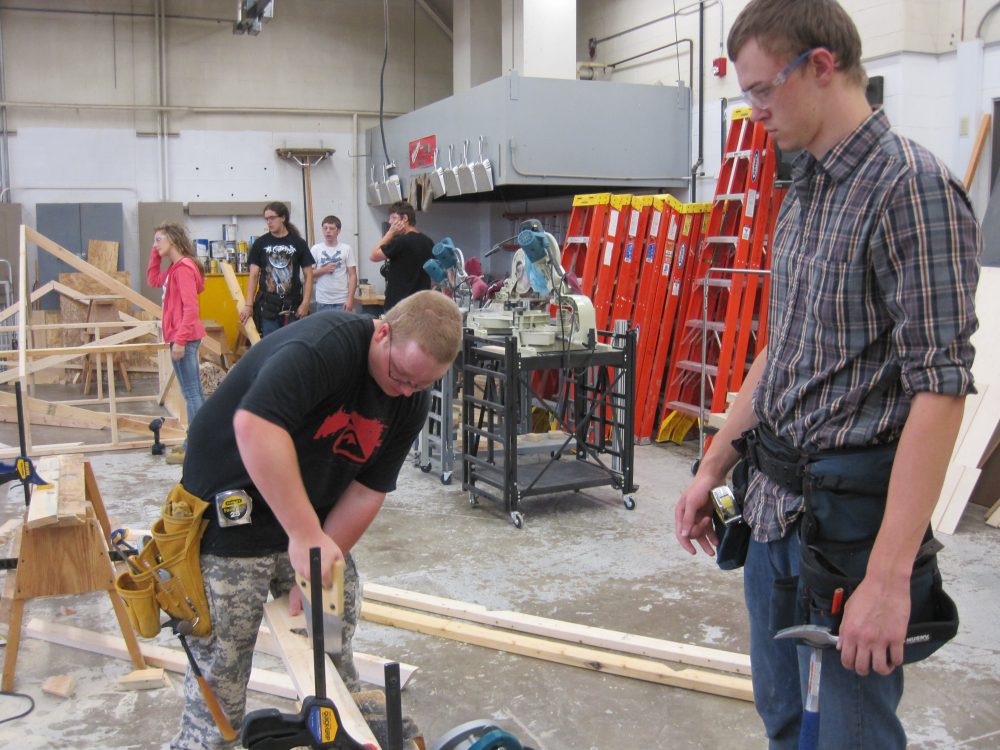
(726,507)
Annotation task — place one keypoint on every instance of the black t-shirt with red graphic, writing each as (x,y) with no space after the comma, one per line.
(312,380)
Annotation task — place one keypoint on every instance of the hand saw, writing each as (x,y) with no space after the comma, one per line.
(333,609)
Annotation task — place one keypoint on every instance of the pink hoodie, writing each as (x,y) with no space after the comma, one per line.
(182,283)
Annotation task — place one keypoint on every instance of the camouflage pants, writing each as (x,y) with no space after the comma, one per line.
(237,589)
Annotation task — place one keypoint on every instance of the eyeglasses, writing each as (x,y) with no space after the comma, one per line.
(271,218)
(399,381)
(761,94)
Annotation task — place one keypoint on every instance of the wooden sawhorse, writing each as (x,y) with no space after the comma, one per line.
(64,545)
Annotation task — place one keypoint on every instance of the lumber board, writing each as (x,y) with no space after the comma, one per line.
(959,483)
(44,508)
(62,415)
(586,635)
(261,680)
(72,504)
(690,678)
(55,361)
(371,668)
(296,653)
(249,328)
(73,260)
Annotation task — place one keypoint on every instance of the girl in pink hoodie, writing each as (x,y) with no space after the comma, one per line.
(182,281)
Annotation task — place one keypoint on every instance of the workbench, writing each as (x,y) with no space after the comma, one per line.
(594,445)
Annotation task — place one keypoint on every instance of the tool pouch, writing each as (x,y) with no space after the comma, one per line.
(845,494)
(166,574)
(734,538)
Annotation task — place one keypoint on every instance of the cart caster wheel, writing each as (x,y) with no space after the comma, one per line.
(694,466)
(425,468)
(446,478)
(629,502)
(517,518)
(473,500)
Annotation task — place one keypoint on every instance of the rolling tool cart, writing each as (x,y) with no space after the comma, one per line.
(593,448)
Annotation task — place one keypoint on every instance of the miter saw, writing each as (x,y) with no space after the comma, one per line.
(520,304)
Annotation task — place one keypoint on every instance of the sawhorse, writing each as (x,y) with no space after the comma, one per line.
(64,551)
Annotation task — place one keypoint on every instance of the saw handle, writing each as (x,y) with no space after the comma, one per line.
(333,598)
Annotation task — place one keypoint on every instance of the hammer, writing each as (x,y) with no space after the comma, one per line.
(182,629)
(817,638)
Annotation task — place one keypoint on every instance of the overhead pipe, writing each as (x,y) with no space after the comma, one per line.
(701,103)
(4,144)
(195,110)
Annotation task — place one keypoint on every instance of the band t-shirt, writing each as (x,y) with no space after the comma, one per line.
(312,380)
(281,260)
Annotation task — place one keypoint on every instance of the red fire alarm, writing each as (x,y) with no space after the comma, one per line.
(719,67)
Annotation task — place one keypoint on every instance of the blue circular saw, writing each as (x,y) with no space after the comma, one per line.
(478,735)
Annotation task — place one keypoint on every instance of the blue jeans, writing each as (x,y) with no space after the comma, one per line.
(321,306)
(855,712)
(270,325)
(189,379)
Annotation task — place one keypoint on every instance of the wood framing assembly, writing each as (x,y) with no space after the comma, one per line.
(126,335)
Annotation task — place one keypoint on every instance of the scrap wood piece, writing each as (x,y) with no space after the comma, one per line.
(716,683)
(297,655)
(371,669)
(72,507)
(60,685)
(261,680)
(103,255)
(150,678)
(613,640)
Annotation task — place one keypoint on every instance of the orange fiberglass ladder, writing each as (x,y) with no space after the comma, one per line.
(605,262)
(587,222)
(630,265)
(704,349)
(685,225)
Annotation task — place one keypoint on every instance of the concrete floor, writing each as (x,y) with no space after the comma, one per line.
(581,558)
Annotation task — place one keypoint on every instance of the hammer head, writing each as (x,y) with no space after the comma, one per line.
(811,635)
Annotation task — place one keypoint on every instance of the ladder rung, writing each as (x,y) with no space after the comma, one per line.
(691,409)
(692,366)
(713,325)
(742,153)
(721,283)
(577,240)
(722,240)
(729,197)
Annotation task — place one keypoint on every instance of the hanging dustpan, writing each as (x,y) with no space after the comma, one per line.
(451,184)
(374,191)
(482,171)
(391,188)
(465,179)
(437,179)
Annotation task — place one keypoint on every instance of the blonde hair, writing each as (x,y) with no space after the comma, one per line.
(430,319)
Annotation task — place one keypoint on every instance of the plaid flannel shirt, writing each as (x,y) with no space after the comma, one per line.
(874,269)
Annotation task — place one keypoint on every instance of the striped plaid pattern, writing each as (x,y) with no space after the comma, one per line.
(874,271)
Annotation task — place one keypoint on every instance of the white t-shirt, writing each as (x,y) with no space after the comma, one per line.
(331,288)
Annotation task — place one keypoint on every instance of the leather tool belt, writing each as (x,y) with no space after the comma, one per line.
(276,305)
(166,574)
